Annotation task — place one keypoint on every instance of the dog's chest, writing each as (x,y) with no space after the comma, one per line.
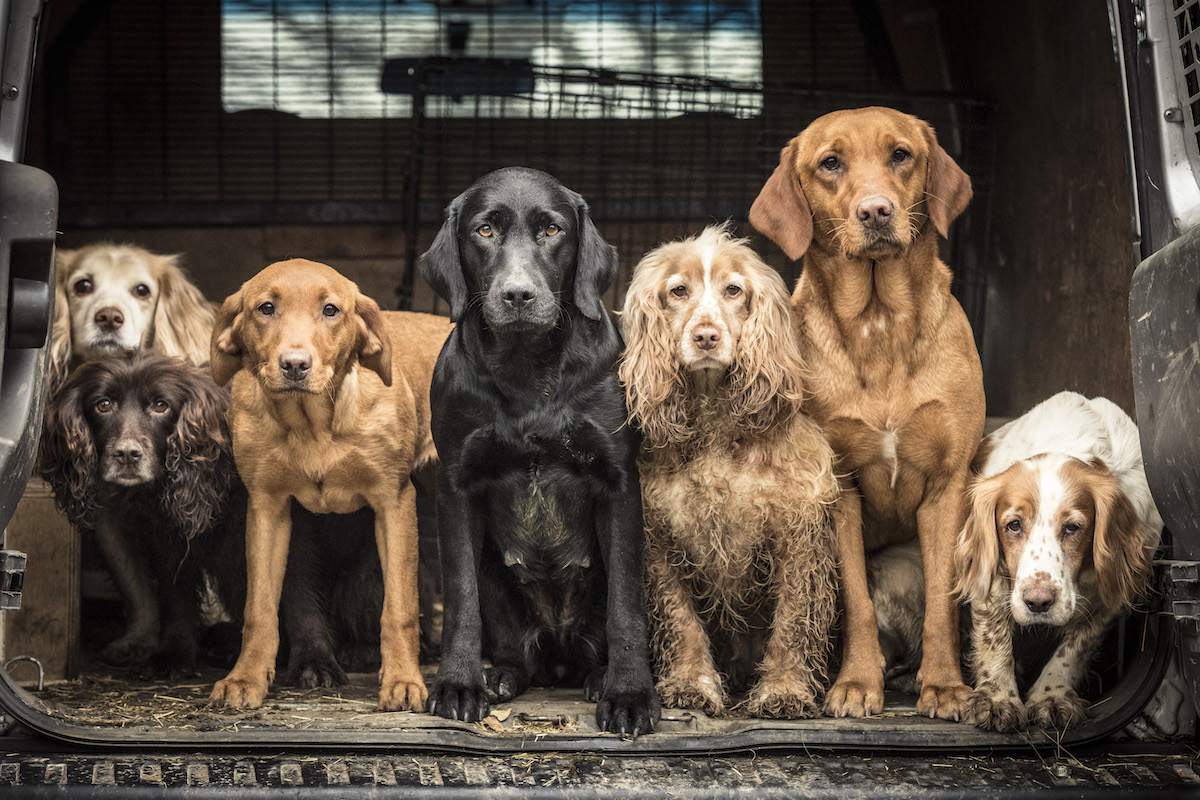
(717,513)
(543,527)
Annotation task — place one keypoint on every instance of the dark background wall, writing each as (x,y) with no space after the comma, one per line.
(1057,240)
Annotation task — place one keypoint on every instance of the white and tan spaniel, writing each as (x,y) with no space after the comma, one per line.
(119,299)
(1061,533)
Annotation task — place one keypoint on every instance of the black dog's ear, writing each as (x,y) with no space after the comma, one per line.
(596,266)
(440,265)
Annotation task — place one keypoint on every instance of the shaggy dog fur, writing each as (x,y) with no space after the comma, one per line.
(738,483)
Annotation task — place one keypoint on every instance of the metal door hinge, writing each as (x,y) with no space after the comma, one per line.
(12,578)
(1180,582)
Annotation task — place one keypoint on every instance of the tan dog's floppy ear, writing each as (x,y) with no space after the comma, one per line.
(183,318)
(440,265)
(977,553)
(781,211)
(374,344)
(226,349)
(947,187)
(766,376)
(648,368)
(61,347)
(1119,550)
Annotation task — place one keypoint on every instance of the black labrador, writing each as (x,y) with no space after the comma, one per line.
(539,503)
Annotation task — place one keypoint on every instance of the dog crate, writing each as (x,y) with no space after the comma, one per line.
(147,138)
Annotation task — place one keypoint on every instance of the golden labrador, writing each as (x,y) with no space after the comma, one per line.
(895,379)
(330,408)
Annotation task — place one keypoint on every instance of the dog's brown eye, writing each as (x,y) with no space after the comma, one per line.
(830,164)
(553,230)
(267,309)
(141,290)
(679,291)
(1014,527)
(900,155)
(83,286)
(160,406)
(330,310)
(104,405)
(732,291)
(484,230)
(1070,528)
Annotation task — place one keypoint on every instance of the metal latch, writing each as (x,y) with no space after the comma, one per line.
(1182,587)
(12,579)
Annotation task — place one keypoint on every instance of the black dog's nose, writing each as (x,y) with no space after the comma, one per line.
(518,297)
(295,364)
(1039,599)
(875,211)
(109,318)
(127,453)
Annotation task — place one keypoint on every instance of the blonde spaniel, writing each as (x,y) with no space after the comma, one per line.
(119,299)
(738,484)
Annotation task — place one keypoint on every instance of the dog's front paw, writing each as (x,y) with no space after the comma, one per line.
(1059,711)
(852,697)
(780,700)
(234,692)
(169,666)
(128,651)
(702,695)
(466,702)
(994,712)
(505,683)
(944,701)
(402,694)
(628,711)
(314,670)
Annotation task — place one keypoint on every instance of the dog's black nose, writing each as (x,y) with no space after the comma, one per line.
(875,211)
(127,453)
(110,318)
(1039,599)
(518,297)
(295,364)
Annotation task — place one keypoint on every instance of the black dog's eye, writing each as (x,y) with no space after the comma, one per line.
(553,230)
(141,290)
(160,406)
(267,309)
(732,291)
(1014,527)
(900,155)
(104,405)
(680,291)
(830,163)
(330,310)
(1070,528)
(484,230)
(83,286)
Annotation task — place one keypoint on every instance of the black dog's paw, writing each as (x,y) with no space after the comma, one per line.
(627,708)
(170,666)
(628,712)
(458,701)
(313,670)
(504,683)
(593,684)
